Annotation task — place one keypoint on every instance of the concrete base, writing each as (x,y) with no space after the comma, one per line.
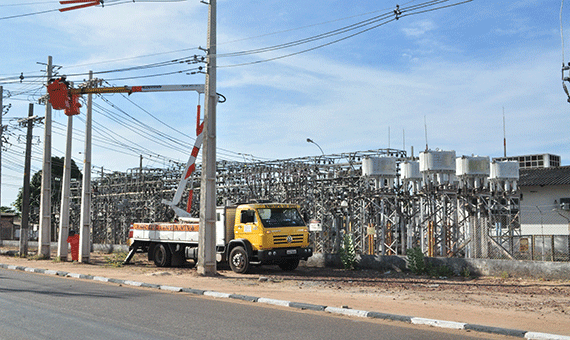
(486,267)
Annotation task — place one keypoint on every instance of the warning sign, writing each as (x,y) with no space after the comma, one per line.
(315,225)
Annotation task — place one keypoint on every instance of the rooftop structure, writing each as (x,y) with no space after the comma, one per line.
(533,161)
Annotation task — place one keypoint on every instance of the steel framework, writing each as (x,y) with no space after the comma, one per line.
(384,216)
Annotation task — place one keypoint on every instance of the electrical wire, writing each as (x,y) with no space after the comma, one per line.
(329,34)
(27,3)
(387,18)
(182,146)
(234,41)
(186,136)
(186,60)
(309,39)
(107,3)
(136,126)
(28,14)
(187,71)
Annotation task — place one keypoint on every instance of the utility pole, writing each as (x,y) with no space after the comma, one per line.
(504,135)
(44,237)
(64,210)
(139,180)
(207,231)
(1,136)
(85,224)
(26,191)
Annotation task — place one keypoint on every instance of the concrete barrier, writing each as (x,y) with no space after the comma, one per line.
(477,267)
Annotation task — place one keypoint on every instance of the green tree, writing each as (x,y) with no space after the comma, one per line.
(7,210)
(56,181)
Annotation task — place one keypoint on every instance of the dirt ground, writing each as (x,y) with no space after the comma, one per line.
(507,302)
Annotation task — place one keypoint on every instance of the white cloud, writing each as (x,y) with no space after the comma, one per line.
(419,28)
(353,106)
(455,73)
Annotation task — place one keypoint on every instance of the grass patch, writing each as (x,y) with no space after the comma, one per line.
(115,259)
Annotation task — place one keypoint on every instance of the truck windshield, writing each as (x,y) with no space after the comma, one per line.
(280,217)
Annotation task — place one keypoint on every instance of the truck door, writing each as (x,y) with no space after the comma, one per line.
(248,223)
(220,226)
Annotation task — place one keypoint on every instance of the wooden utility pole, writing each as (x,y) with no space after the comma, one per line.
(207,232)
(44,237)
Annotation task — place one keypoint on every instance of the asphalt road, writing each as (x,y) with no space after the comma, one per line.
(35,306)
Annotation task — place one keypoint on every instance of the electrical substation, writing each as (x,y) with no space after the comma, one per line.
(387,201)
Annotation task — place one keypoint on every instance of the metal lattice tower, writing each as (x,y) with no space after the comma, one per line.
(384,214)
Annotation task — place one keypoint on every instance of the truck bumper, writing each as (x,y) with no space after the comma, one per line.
(278,254)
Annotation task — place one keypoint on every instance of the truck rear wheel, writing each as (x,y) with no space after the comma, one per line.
(289,265)
(162,256)
(239,261)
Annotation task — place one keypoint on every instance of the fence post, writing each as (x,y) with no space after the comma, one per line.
(532,249)
(552,247)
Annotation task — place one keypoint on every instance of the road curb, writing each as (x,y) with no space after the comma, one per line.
(307,306)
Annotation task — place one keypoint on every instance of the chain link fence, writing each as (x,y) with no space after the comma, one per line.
(383,217)
(544,234)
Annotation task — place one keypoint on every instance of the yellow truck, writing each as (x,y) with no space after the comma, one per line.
(246,235)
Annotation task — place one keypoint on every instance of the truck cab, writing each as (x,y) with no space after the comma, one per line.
(268,233)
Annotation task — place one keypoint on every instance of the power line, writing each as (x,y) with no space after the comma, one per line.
(107,3)
(27,3)
(194,59)
(28,14)
(378,21)
(382,19)
(232,153)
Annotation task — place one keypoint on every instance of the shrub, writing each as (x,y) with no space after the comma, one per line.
(416,260)
(442,271)
(347,252)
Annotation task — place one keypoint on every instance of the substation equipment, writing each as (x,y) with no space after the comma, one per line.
(449,206)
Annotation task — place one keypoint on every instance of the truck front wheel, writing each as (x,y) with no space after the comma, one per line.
(239,261)
(289,265)
(162,256)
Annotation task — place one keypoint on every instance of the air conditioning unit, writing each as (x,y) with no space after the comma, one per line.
(565,203)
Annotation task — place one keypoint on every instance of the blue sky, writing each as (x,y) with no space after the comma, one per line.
(454,69)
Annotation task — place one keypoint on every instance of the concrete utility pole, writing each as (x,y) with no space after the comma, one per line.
(85,224)
(1,133)
(44,237)
(26,191)
(64,210)
(207,232)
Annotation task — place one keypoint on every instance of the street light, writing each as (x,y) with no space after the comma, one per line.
(309,140)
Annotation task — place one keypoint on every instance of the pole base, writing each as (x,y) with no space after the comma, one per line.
(209,269)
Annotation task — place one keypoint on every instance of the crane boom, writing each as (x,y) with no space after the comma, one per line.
(130,89)
(63,97)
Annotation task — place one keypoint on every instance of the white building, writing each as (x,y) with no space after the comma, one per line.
(545,201)
(533,161)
